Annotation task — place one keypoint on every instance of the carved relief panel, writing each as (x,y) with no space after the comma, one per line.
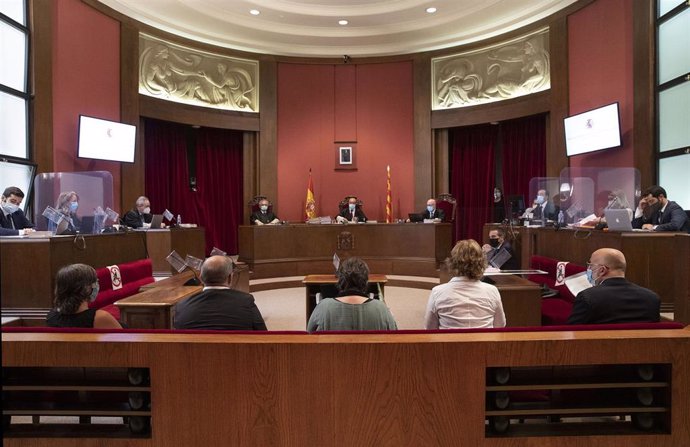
(176,73)
(506,70)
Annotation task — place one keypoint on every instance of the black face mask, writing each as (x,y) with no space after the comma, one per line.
(494,242)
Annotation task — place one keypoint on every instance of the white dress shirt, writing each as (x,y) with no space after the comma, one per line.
(464,303)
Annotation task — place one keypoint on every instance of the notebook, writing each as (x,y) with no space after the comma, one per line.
(618,220)
(156,221)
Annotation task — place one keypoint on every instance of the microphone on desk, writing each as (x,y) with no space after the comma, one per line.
(195,281)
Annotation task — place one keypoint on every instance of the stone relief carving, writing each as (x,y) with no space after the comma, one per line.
(175,73)
(346,241)
(507,70)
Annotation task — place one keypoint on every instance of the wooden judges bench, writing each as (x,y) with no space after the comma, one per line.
(384,389)
(29,265)
(659,261)
(299,249)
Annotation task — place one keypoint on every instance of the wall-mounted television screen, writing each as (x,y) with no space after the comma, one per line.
(106,140)
(593,130)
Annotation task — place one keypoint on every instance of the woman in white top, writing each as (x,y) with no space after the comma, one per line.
(465,301)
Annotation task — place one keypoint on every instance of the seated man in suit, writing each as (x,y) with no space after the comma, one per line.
(352,213)
(13,222)
(613,299)
(431,212)
(542,208)
(264,216)
(140,215)
(218,307)
(499,252)
(665,214)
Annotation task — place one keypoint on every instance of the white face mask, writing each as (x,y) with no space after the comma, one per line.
(264,207)
(147,210)
(10,207)
(352,206)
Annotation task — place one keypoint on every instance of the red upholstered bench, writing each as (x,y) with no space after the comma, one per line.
(131,275)
(554,310)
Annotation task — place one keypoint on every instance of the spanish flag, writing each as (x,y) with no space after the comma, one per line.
(389,204)
(310,204)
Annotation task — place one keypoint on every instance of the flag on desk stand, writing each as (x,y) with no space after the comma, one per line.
(389,205)
(310,204)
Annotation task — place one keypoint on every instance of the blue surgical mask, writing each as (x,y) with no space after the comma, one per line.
(9,207)
(94,291)
(540,200)
(590,277)
(352,206)
(263,208)
(429,208)
(73,206)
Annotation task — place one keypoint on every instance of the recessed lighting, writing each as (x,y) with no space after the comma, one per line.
(343,22)
(431,10)
(254,12)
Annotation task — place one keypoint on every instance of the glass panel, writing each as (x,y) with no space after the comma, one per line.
(674,110)
(674,57)
(673,176)
(13,126)
(14,9)
(667,5)
(13,51)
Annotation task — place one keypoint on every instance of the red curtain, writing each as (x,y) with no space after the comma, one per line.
(216,205)
(524,154)
(472,177)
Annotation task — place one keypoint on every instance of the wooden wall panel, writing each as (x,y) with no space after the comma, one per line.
(41,18)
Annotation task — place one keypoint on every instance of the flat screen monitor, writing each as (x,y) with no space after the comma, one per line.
(593,130)
(516,203)
(101,139)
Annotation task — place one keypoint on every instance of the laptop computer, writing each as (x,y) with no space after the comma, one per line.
(416,217)
(618,220)
(156,221)
(86,225)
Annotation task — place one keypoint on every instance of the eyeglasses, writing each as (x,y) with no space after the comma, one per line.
(592,264)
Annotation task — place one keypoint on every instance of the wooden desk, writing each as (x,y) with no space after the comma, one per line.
(153,308)
(521,298)
(313,283)
(658,261)
(29,266)
(295,250)
(186,241)
(240,279)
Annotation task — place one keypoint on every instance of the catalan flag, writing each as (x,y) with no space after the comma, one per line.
(389,204)
(310,204)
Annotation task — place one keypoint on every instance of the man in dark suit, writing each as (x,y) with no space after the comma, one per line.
(264,216)
(666,215)
(218,307)
(542,207)
(499,252)
(140,215)
(352,213)
(13,222)
(431,212)
(613,299)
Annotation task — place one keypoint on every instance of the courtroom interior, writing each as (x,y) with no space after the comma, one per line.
(423,222)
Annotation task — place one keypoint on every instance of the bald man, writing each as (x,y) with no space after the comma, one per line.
(613,299)
(218,307)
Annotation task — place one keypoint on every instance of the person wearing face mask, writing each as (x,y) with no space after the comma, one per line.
(663,214)
(613,299)
(67,204)
(265,215)
(13,222)
(76,285)
(351,213)
(542,208)
(499,252)
(140,215)
(431,212)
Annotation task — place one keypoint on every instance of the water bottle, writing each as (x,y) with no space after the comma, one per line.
(179,220)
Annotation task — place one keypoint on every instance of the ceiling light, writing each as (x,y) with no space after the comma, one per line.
(254,12)
(343,22)
(431,10)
